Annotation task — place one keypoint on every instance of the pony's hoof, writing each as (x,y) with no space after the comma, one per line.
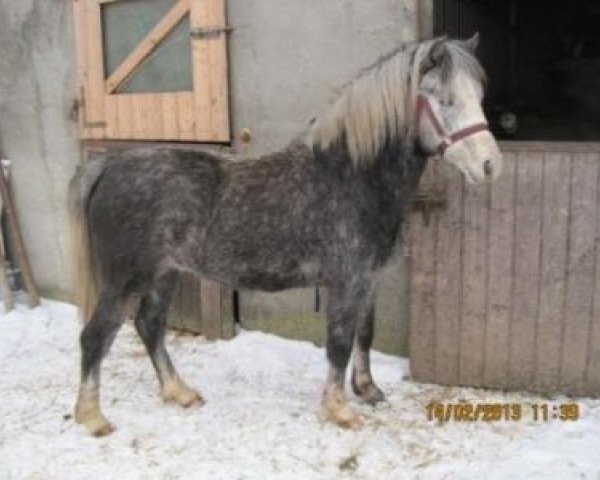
(102,430)
(336,409)
(372,395)
(344,417)
(367,390)
(95,423)
(355,423)
(191,399)
(182,395)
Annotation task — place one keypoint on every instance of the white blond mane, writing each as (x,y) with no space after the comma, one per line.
(376,107)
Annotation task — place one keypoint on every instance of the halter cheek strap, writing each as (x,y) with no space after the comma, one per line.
(424,108)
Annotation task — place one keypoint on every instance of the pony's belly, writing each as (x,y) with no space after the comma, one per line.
(271,282)
(268,278)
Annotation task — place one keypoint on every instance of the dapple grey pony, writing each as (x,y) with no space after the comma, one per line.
(327,210)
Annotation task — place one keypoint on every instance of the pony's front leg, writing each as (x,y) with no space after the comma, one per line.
(362,380)
(345,306)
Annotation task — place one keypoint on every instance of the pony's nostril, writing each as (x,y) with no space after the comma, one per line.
(487,167)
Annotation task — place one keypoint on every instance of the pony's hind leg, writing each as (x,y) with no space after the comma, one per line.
(362,380)
(96,339)
(150,323)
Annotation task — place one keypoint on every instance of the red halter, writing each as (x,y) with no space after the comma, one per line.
(424,107)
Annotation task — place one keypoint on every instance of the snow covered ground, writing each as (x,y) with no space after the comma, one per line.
(260,420)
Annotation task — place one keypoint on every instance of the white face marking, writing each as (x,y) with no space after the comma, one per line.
(458,106)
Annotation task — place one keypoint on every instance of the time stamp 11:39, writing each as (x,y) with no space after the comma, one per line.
(510,412)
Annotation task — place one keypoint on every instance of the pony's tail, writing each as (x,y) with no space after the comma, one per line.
(85,275)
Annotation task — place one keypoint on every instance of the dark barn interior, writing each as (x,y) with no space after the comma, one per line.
(543,63)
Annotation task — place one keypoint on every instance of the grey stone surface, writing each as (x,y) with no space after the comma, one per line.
(288,59)
(37,88)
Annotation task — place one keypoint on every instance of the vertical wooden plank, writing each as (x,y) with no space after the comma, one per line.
(139,108)
(174,317)
(501,244)
(94,86)
(187,126)
(210,305)
(170,116)
(593,361)
(124,117)
(227,314)
(111,116)
(422,291)
(448,278)
(525,300)
(580,273)
(555,215)
(155,117)
(474,283)
(200,18)
(217,53)
(185,312)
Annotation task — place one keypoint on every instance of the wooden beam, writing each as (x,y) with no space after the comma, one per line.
(210,306)
(200,18)
(209,67)
(217,50)
(147,45)
(93,111)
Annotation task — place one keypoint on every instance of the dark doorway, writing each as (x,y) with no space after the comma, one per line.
(542,60)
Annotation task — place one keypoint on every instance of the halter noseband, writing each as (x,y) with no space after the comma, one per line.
(424,107)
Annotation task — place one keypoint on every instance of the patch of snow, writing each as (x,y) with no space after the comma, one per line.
(261,418)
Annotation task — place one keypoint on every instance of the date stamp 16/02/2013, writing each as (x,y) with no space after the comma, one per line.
(496,412)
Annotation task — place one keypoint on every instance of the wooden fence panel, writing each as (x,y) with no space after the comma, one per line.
(448,290)
(555,228)
(526,253)
(500,268)
(422,292)
(593,363)
(523,256)
(580,273)
(474,275)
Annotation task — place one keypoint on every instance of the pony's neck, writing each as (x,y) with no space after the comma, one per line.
(398,170)
(374,110)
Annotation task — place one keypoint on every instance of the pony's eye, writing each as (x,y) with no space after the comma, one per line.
(447,102)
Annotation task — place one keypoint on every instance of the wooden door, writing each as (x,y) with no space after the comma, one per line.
(109,105)
(505,280)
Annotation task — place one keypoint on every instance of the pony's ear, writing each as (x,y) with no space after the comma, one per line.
(472,43)
(437,56)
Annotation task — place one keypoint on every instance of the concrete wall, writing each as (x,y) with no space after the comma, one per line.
(288,58)
(36,95)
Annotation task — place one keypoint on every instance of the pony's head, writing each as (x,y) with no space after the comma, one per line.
(426,93)
(448,117)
